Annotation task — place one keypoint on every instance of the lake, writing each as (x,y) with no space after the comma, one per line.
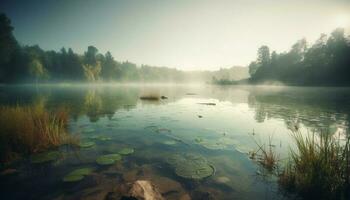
(213,127)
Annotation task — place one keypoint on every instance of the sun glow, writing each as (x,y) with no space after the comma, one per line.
(342,21)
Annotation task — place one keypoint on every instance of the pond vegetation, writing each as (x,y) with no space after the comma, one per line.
(320,168)
(32,129)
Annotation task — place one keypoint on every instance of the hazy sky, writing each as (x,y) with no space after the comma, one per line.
(187,34)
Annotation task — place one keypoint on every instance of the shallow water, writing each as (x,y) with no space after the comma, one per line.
(182,124)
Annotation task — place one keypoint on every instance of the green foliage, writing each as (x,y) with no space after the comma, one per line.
(31,63)
(326,62)
(319,169)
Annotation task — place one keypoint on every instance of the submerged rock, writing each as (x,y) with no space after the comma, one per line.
(145,190)
(8,171)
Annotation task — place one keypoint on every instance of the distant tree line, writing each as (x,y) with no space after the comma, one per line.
(32,64)
(326,62)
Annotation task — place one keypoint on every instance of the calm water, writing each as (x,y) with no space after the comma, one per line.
(222,134)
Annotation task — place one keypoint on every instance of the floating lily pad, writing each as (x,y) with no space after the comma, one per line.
(191,166)
(93,136)
(170,142)
(87,144)
(163,130)
(104,138)
(126,151)
(88,130)
(45,157)
(211,144)
(77,174)
(108,159)
(73,178)
(152,128)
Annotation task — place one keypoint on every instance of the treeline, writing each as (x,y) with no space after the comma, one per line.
(33,64)
(326,62)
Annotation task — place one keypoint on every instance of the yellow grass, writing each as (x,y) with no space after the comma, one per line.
(30,129)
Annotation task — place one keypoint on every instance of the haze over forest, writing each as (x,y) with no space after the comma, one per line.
(125,41)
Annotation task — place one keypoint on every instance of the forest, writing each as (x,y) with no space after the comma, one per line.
(326,62)
(31,64)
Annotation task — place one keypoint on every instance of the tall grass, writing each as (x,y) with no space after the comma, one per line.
(31,129)
(266,155)
(319,168)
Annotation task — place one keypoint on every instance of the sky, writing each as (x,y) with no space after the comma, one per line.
(186,34)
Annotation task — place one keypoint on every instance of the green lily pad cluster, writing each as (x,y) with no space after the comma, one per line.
(211,144)
(191,166)
(217,143)
(108,159)
(86,144)
(126,151)
(100,137)
(45,157)
(77,174)
(88,130)
(170,142)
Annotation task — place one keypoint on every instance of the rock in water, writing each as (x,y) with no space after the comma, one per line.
(144,190)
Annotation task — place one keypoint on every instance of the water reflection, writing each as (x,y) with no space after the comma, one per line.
(159,129)
(313,108)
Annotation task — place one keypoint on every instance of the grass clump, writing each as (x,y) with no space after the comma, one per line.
(319,168)
(31,129)
(266,156)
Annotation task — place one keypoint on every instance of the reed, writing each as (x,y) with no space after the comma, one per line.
(31,129)
(266,155)
(319,168)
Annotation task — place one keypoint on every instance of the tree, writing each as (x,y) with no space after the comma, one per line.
(253,66)
(37,70)
(263,55)
(108,71)
(8,46)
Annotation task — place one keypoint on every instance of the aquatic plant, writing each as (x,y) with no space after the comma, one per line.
(45,157)
(86,144)
(31,129)
(108,159)
(170,142)
(77,174)
(266,155)
(319,168)
(126,151)
(191,166)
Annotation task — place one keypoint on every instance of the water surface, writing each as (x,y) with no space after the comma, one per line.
(223,132)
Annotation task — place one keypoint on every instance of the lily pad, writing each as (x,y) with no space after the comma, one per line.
(211,144)
(163,130)
(87,144)
(126,151)
(77,174)
(170,142)
(45,157)
(104,138)
(108,159)
(73,178)
(88,130)
(191,166)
